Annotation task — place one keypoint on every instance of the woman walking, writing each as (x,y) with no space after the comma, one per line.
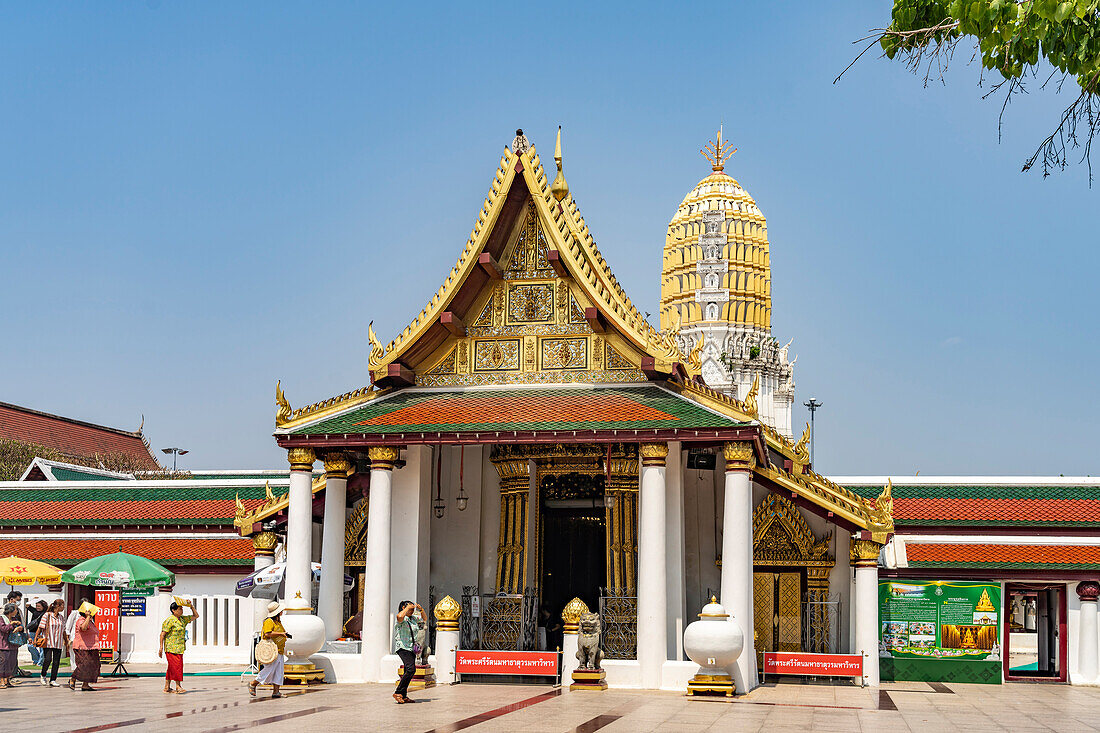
(404,641)
(173,642)
(85,651)
(11,630)
(51,632)
(272,674)
(34,618)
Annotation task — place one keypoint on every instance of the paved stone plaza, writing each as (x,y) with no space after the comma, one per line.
(221,704)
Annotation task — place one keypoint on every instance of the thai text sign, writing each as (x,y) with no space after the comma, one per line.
(106,620)
(132,605)
(939,619)
(819,665)
(470,661)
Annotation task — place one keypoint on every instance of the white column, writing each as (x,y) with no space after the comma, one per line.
(264,544)
(652,603)
(1088,667)
(299,532)
(376,579)
(864,555)
(737,555)
(675,553)
(330,596)
(447,613)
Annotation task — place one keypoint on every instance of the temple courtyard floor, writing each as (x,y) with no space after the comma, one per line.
(220,704)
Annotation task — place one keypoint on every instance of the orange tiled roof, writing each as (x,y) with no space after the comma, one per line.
(72,437)
(984,506)
(167,551)
(1002,556)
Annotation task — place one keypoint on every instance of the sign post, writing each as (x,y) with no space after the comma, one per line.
(107,621)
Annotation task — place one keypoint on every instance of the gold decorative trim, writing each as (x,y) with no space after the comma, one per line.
(740,456)
(286,419)
(355,533)
(653,454)
(382,457)
(301,459)
(781,537)
(801,452)
(264,543)
(572,613)
(447,612)
(337,465)
(864,553)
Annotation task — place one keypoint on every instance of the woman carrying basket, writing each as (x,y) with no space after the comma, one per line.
(271,672)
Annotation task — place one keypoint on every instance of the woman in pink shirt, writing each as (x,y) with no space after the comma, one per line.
(85,649)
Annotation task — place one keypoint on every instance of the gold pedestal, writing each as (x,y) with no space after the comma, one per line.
(589,679)
(302,674)
(711,684)
(423,677)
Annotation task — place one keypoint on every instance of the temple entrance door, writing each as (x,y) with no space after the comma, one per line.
(573,557)
(777,602)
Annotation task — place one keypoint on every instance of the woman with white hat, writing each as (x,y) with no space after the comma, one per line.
(271,673)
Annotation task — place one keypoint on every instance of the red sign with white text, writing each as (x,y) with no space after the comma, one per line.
(106,620)
(472,661)
(819,665)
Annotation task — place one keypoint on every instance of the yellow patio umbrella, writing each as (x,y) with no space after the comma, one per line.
(19,571)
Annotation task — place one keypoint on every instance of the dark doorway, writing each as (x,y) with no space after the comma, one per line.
(573,557)
(1035,632)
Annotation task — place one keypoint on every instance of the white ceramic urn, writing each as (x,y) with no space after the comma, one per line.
(714,641)
(307,636)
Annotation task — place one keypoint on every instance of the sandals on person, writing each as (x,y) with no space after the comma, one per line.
(400,700)
(276,694)
(252,689)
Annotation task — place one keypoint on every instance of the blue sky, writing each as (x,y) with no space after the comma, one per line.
(197,200)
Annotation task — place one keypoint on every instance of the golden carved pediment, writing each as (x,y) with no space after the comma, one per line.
(781,536)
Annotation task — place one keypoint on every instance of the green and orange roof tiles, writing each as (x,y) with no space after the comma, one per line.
(547,409)
(979,556)
(126,505)
(66,552)
(978,506)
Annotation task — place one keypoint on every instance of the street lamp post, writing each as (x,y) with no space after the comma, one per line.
(175,453)
(813,404)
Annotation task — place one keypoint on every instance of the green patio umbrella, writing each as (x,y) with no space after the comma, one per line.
(119,570)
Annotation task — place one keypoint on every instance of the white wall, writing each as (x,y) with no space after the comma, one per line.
(222,634)
(410,527)
(455,539)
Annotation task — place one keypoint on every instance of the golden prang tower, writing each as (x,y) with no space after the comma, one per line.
(716,283)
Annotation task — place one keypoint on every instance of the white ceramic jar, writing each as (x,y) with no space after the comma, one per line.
(714,641)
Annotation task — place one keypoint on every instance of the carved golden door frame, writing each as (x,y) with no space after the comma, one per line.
(782,541)
(517,506)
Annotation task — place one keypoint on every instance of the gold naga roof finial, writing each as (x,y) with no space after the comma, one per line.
(751,408)
(718,152)
(559,188)
(268,496)
(282,415)
(800,451)
(377,350)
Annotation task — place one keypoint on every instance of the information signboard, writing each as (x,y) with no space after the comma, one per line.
(132,606)
(540,664)
(816,665)
(106,620)
(940,630)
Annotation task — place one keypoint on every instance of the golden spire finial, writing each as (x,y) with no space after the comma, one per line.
(282,415)
(559,187)
(717,152)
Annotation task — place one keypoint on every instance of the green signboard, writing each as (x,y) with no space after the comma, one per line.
(939,630)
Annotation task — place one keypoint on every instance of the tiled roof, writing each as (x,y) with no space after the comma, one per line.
(125,506)
(167,551)
(1037,505)
(75,474)
(72,437)
(519,409)
(1002,556)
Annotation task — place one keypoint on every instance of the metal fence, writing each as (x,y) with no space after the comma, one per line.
(821,626)
(503,622)
(618,624)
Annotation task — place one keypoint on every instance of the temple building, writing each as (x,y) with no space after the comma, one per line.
(530,445)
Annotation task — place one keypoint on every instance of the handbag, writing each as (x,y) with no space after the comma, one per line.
(266,651)
(17,638)
(40,640)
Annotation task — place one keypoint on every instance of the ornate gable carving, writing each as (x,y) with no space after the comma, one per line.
(780,536)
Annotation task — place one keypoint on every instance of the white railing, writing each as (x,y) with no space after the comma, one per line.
(222,634)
